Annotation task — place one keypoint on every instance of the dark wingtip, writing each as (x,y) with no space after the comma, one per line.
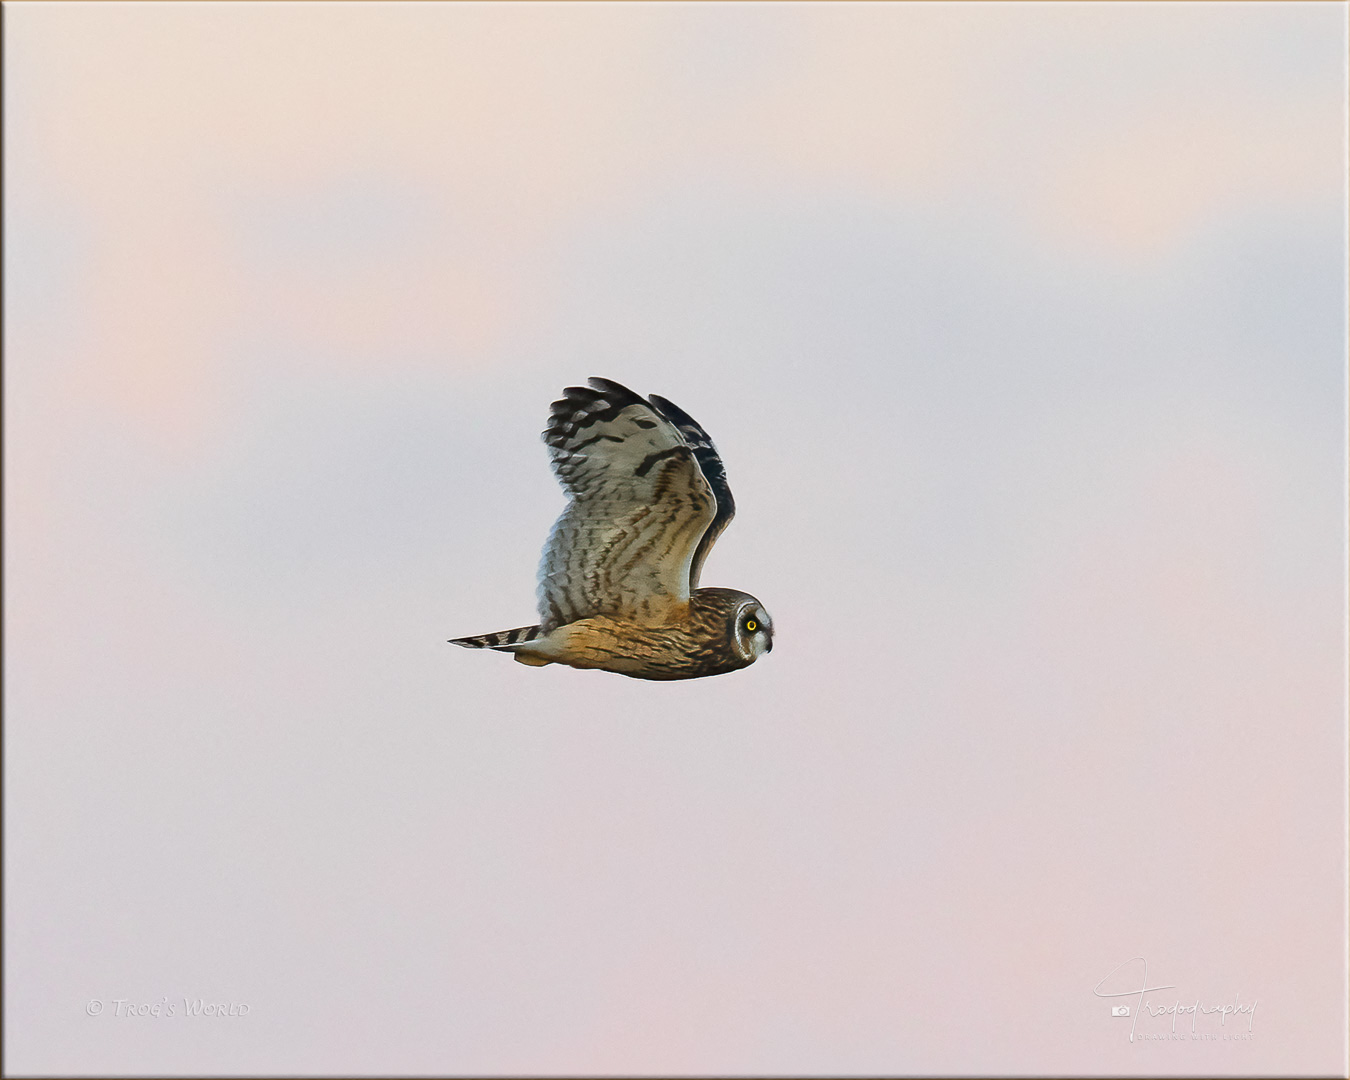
(603,399)
(615,390)
(671,411)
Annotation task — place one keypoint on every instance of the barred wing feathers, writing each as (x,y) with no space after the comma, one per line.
(640,508)
(710,464)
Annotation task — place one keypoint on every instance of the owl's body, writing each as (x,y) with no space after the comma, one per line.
(619,574)
(703,642)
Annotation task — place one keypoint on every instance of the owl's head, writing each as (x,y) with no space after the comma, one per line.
(751,630)
(732,629)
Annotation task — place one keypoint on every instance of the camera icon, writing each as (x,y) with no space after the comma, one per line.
(1120,1010)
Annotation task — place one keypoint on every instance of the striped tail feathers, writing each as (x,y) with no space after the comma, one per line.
(502,639)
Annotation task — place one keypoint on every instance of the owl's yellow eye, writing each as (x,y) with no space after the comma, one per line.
(750,624)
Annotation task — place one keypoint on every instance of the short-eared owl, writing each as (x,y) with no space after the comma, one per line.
(618,582)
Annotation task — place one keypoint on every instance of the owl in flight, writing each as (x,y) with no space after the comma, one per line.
(618,581)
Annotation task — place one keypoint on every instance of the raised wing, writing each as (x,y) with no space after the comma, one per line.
(640,506)
(710,464)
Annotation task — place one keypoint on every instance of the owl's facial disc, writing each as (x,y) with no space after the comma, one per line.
(754,631)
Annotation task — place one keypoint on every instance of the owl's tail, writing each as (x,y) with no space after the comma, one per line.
(507,641)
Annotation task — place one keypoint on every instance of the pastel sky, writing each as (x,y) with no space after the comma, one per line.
(1022,332)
